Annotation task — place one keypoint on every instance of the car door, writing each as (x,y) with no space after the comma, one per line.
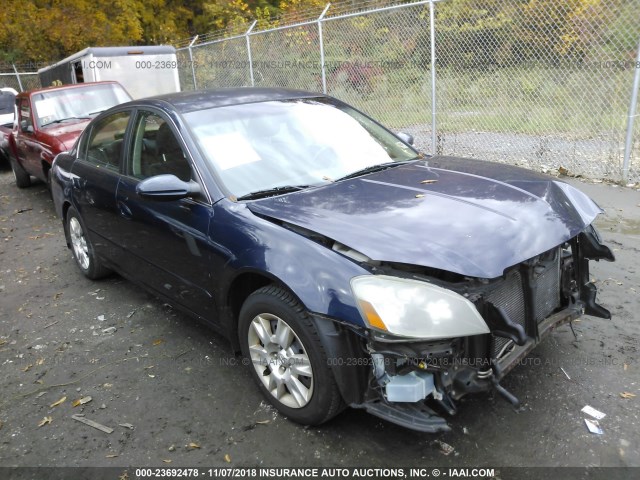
(166,242)
(96,174)
(26,142)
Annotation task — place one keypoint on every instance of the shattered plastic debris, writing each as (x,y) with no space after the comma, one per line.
(445,448)
(91,423)
(593,412)
(101,318)
(81,401)
(593,426)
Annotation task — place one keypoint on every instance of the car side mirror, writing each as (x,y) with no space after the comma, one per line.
(405,137)
(25,127)
(167,187)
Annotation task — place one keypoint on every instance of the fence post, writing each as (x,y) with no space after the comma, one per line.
(324,73)
(193,68)
(249,52)
(630,119)
(17,76)
(432,27)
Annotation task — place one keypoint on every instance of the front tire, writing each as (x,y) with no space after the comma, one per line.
(289,363)
(83,251)
(22,178)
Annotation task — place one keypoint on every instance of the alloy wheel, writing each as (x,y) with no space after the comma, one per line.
(281,360)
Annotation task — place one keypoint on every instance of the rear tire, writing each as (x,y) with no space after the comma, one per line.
(22,178)
(288,361)
(83,251)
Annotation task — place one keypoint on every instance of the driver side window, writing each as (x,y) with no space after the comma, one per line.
(156,149)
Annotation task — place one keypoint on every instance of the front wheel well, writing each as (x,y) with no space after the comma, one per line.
(65,209)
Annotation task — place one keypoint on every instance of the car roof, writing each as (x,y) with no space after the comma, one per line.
(191,101)
(68,86)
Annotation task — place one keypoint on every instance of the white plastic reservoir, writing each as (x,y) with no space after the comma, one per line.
(412,387)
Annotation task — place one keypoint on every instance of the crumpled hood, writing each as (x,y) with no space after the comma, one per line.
(459,221)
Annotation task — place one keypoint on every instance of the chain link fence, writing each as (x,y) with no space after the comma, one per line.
(543,84)
(20,77)
(546,85)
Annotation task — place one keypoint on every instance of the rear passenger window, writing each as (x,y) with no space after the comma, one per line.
(105,147)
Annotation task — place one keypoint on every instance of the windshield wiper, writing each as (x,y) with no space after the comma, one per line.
(65,119)
(269,192)
(373,168)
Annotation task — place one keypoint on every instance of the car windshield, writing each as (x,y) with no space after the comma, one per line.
(296,143)
(57,106)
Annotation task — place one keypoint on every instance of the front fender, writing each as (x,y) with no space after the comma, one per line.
(318,276)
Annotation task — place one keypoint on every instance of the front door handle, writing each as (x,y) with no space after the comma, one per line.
(125,211)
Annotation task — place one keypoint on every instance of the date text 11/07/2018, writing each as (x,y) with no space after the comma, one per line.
(314,472)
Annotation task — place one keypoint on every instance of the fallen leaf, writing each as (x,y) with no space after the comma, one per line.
(40,361)
(193,445)
(227,458)
(428,181)
(2,342)
(45,420)
(81,401)
(127,425)
(262,422)
(27,368)
(625,367)
(158,341)
(627,395)
(420,195)
(166,460)
(55,404)
(113,455)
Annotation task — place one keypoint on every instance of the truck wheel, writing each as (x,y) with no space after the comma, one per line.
(83,252)
(23,180)
(287,359)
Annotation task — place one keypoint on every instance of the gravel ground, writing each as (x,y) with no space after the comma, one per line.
(175,395)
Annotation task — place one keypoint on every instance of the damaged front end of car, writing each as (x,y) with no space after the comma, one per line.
(435,337)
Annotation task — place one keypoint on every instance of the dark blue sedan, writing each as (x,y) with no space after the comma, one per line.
(351,269)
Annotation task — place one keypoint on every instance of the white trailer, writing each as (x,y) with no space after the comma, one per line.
(142,71)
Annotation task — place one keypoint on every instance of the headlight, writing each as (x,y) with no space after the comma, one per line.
(414,309)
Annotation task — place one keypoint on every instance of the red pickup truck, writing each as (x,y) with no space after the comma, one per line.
(50,120)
